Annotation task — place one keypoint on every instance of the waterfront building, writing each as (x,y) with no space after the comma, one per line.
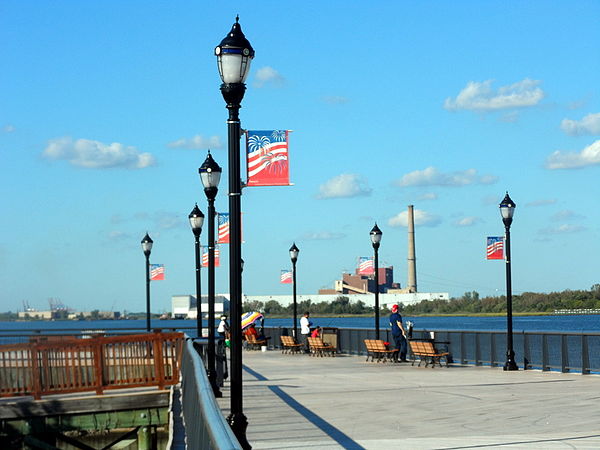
(33,314)
(185,306)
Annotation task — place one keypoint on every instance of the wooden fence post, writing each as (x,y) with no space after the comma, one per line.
(35,372)
(98,363)
(159,366)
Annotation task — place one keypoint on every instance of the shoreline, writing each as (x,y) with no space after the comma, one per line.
(327,316)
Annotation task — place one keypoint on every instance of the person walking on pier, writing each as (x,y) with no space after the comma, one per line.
(398,334)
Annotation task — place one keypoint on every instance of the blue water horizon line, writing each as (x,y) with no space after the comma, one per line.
(551,323)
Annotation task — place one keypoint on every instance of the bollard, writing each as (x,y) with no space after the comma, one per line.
(144,438)
(221,359)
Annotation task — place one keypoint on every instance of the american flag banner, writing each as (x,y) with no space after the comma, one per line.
(267,158)
(223,233)
(217,257)
(157,272)
(223,219)
(365,266)
(495,247)
(286,276)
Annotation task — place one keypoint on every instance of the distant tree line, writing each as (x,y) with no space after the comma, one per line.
(469,303)
(7,316)
(527,302)
(341,305)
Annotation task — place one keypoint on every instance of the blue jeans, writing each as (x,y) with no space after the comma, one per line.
(400,344)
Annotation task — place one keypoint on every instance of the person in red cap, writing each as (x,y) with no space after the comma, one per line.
(398,333)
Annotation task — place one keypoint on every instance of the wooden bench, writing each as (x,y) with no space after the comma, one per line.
(427,352)
(289,345)
(254,344)
(377,350)
(319,348)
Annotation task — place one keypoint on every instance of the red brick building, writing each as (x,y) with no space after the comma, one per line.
(363,284)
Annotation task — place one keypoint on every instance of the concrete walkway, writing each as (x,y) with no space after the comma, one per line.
(297,401)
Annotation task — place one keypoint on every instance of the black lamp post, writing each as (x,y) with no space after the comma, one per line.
(507,210)
(196,221)
(375,240)
(234,55)
(210,174)
(294,257)
(147,248)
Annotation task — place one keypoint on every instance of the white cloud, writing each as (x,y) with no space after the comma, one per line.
(322,236)
(566,215)
(589,156)
(335,99)
(479,96)
(433,177)
(491,200)
(159,220)
(563,229)
(428,196)
(268,76)
(590,124)
(97,155)
(542,202)
(510,117)
(116,219)
(197,142)
(167,220)
(467,221)
(577,104)
(8,128)
(421,218)
(118,235)
(345,185)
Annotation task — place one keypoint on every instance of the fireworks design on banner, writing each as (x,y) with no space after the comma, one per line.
(268,158)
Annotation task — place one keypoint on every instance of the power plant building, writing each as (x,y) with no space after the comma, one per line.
(356,286)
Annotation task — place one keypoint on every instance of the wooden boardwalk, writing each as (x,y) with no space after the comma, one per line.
(294,401)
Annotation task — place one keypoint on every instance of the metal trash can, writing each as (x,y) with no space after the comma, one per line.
(330,336)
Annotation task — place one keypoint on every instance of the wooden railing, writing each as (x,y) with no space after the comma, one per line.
(62,364)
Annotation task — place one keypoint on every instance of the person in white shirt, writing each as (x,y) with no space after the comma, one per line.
(305,325)
(223,328)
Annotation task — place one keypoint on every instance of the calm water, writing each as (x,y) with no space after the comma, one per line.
(582,323)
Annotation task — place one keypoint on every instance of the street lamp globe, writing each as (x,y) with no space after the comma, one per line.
(294,253)
(234,55)
(147,245)
(507,210)
(196,220)
(376,236)
(210,175)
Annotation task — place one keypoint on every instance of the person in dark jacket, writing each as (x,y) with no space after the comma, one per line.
(398,333)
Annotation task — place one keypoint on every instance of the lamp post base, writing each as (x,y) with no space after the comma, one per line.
(212,378)
(238,424)
(510,363)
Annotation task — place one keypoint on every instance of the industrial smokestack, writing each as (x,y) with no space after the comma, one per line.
(412,257)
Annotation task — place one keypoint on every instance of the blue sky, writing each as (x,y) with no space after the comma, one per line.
(107,110)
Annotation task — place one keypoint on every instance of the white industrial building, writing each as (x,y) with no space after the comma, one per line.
(185,306)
